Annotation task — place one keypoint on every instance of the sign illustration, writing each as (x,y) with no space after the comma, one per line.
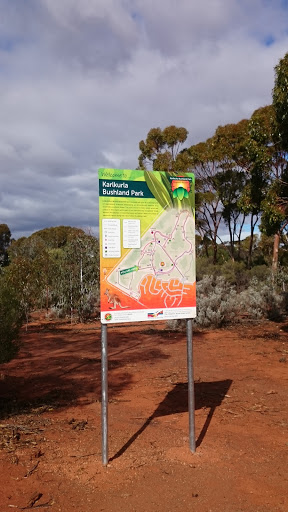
(147,245)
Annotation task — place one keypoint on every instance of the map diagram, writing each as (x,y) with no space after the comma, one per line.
(162,271)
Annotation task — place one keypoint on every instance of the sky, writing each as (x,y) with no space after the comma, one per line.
(83,81)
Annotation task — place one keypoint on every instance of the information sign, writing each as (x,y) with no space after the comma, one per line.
(147,245)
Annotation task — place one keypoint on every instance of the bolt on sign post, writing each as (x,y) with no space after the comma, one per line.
(147,258)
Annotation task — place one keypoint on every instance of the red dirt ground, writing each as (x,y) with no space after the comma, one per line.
(50,425)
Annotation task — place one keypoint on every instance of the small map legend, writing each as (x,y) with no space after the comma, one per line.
(131,234)
(111,238)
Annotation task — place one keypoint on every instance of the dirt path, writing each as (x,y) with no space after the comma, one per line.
(50,425)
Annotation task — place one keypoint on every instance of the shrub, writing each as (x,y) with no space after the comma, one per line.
(205,267)
(216,302)
(234,272)
(262,300)
(11,317)
(219,304)
(261,272)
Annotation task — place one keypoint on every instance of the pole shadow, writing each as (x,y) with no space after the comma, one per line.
(207,394)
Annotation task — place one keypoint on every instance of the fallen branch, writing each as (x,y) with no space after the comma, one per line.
(48,504)
(32,470)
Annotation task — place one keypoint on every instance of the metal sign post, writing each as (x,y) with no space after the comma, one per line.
(104,403)
(191,393)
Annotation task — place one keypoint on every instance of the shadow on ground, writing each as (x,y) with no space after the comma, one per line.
(207,395)
(57,367)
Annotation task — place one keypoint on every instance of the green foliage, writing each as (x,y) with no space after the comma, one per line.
(57,237)
(280,100)
(5,239)
(220,304)
(216,301)
(262,273)
(235,273)
(242,171)
(161,150)
(56,269)
(261,300)
(204,161)
(221,169)
(231,141)
(273,217)
(160,186)
(28,272)
(11,316)
(159,189)
(75,283)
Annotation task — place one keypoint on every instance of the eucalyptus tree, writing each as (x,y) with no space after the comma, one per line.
(162,150)
(269,184)
(56,237)
(75,285)
(5,240)
(204,159)
(58,269)
(231,179)
(276,218)
(280,101)
(11,317)
(28,272)
(82,257)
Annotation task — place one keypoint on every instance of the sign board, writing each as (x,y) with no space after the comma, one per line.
(147,245)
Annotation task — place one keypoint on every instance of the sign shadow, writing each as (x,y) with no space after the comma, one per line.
(207,395)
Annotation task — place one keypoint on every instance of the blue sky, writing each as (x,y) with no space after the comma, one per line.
(82,82)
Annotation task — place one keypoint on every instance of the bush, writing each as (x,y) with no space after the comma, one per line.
(205,267)
(261,272)
(219,304)
(234,272)
(11,317)
(216,302)
(263,300)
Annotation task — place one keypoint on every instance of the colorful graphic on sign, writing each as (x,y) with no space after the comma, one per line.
(147,245)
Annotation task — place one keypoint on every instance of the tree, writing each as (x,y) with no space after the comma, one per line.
(280,101)
(277,202)
(268,176)
(11,316)
(75,283)
(204,161)
(28,272)
(229,184)
(161,151)
(231,179)
(275,214)
(56,268)
(58,236)
(257,169)
(5,239)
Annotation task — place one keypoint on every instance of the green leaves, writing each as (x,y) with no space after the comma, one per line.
(161,149)
(11,317)
(5,238)
(159,189)
(280,100)
(178,198)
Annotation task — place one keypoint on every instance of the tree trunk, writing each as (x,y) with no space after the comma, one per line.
(252,227)
(231,235)
(215,249)
(275,252)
